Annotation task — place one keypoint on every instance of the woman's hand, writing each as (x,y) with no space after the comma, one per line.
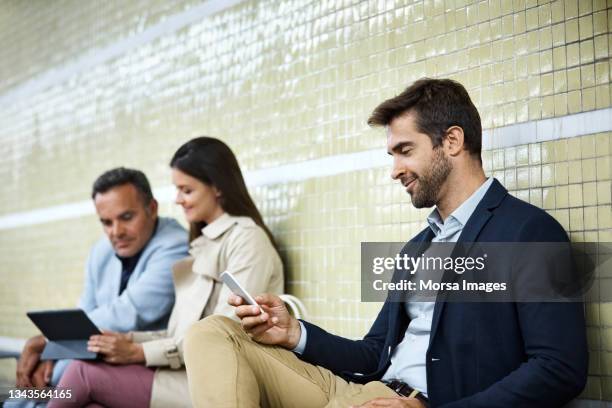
(116,348)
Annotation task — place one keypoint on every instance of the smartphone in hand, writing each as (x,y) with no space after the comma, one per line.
(235,287)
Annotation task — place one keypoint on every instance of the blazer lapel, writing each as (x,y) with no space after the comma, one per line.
(471,230)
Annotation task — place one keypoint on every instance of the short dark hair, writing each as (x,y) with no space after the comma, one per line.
(438,105)
(120,176)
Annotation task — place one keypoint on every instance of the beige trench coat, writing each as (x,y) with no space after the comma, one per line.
(234,244)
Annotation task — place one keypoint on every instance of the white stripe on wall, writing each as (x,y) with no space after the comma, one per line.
(99,56)
(584,123)
(514,135)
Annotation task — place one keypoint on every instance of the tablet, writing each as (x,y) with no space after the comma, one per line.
(67,332)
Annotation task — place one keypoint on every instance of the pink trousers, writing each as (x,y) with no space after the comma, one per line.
(95,384)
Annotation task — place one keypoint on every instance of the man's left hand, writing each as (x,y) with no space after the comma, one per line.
(116,348)
(42,374)
(397,402)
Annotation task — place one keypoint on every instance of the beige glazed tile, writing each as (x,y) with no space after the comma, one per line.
(562,197)
(576,219)
(575,171)
(575,195)
(589,191)
(561,173)
(548,198)
(590,218)
(604,216)
(573,148)
(589,169)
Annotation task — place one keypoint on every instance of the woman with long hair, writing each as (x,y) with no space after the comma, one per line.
(227,233)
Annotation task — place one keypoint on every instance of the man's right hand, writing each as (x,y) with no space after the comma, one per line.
(30,356)
(275,326)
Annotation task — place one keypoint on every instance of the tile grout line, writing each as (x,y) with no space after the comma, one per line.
(508,136)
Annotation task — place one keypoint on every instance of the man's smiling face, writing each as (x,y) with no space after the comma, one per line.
(417,164)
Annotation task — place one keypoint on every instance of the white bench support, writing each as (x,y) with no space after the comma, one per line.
(10,347)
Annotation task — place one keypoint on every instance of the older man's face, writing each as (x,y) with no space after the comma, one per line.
(126,220)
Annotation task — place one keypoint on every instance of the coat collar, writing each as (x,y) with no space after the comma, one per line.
(218,227)
(491,200)
(213,231)
(461,215)
(204,249)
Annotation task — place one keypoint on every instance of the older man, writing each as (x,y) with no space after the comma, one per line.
(128,277)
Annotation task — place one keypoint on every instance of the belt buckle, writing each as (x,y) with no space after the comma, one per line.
(397,386)
(405,390)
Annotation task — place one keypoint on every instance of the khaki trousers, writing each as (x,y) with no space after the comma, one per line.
(227,369)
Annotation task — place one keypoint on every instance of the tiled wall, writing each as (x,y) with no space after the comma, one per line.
(82,90)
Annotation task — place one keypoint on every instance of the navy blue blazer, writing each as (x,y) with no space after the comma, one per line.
(481,355)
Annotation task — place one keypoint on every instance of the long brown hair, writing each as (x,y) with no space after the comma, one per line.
(213,163)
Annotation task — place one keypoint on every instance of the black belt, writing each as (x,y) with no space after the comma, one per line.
(405,390)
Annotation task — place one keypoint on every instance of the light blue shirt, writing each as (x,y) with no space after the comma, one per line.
(408,359)
(146,302)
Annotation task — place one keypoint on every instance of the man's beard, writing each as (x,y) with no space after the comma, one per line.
(430,183)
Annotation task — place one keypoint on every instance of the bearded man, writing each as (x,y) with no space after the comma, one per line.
(416,354)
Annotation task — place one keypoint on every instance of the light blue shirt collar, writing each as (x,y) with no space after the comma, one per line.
(462,214)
